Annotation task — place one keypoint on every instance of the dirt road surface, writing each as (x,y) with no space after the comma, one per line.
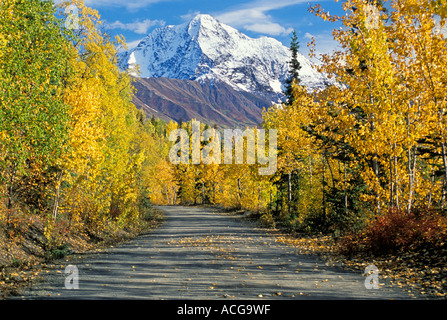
(202,255)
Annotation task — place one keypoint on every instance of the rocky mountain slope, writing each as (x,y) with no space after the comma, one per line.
(213,103)
(218,56)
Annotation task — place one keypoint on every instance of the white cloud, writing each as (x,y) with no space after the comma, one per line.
(128,4)
(270,28)
(307,35)
(242,16)
(253,16)
(139,27)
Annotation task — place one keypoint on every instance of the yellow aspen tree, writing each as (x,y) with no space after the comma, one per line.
(296,147)
(420,46)
(364,98)
(113,123)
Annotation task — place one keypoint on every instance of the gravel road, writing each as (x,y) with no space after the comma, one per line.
(200,254)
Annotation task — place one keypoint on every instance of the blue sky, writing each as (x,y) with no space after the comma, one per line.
(136,18)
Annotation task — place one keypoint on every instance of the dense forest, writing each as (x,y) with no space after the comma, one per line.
(364,157)
(363,160)
(76,157)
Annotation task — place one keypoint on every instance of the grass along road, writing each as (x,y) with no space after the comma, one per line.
(201,254)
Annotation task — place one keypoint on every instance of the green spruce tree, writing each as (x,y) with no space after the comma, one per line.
(294,68)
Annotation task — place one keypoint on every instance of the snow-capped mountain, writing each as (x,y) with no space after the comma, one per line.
(206,50)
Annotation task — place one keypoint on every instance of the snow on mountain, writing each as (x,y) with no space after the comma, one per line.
(206,50)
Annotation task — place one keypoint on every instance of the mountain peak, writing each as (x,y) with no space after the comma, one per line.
(201,22)
(205,49)
(203,18)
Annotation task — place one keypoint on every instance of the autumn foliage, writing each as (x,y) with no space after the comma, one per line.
(75,154)
(372,143)
(364,157)
(396,231)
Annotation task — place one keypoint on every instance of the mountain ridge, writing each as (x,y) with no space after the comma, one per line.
(209,52)
(215,104)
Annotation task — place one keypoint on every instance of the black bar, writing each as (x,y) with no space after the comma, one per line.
(226,309)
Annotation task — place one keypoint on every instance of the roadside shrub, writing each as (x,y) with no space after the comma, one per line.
(396,230)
